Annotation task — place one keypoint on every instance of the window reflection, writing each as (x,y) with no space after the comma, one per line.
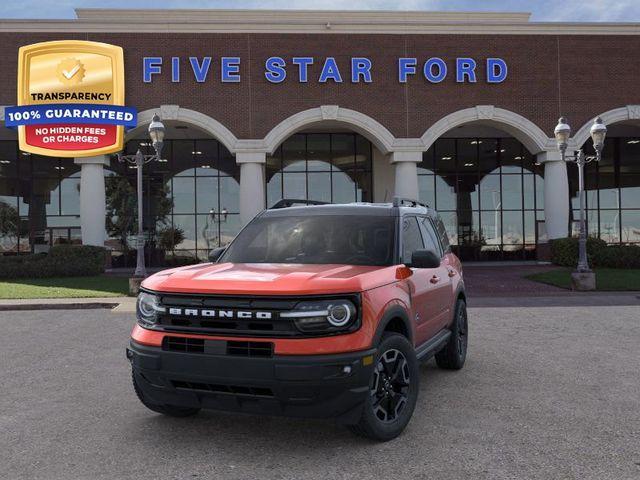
(612,191)
(199,181)
(490,193)
(329,167)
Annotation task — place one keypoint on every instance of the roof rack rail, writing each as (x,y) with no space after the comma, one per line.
(292,202)
(400,201)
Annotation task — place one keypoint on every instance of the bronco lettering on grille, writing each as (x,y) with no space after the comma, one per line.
(212,313)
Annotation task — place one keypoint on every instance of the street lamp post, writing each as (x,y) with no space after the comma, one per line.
(156,133)
(598,132)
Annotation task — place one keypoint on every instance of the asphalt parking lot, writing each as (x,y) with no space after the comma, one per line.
(551,392)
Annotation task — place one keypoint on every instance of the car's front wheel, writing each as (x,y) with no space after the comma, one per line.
(393,390)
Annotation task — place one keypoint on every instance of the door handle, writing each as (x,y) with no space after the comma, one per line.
(435,279)
(452,273)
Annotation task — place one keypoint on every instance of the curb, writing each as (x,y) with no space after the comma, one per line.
(58,306)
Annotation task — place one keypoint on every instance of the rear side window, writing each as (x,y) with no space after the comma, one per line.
(442,234)
(411,238)
(429,236)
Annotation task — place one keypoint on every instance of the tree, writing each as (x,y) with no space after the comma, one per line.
(122,208)
(9,222)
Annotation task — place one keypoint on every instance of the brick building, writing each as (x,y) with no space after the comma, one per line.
(457,109)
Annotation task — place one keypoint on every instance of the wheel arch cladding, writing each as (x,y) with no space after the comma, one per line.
(395,319)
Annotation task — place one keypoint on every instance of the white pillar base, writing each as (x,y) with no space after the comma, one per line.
(406,173)
(252,184)
(556,195)
(93,209)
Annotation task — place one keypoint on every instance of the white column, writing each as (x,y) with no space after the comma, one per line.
(252,193)
(556,194)
(406,172)
(93,208)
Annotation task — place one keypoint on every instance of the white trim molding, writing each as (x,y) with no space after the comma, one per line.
(200,120)
(374,131)
(531,136)
(199,21)
(622,114)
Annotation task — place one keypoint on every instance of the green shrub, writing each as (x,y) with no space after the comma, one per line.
(618,256)
(61,261)
(173,261)
(564,252)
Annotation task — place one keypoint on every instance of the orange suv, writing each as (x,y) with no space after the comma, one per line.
(312,311)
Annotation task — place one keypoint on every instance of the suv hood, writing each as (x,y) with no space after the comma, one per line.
(270,279)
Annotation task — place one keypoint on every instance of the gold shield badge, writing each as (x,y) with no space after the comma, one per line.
(69,87)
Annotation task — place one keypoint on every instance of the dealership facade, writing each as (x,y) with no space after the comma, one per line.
(456,109)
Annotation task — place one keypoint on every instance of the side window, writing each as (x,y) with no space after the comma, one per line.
(442,234)
(411,238)
(429,236)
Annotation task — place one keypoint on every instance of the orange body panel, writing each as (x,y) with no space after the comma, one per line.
(380,287)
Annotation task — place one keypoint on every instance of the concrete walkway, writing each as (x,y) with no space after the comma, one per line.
(118,304)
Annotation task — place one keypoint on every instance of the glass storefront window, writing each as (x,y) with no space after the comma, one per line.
(490,192)
(630,224)
(612,191)
(329,167)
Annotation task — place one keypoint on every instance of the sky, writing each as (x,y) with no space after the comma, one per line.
(542,10)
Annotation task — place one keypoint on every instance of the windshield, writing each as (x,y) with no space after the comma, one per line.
(343,239)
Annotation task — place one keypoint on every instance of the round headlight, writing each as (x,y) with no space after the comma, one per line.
(339,315)
(148,307)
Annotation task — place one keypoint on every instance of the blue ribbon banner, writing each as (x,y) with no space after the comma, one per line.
(70,113)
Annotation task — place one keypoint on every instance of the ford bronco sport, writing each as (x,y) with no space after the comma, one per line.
(314,310)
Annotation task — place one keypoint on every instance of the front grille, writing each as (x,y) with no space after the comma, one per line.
(183,344)
(236,316)
(273,326)
(225,389)
(217,347)
(250,349)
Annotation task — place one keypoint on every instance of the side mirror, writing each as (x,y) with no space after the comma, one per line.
(216,253)
(424,259)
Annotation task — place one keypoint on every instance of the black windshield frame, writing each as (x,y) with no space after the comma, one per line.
(362,240)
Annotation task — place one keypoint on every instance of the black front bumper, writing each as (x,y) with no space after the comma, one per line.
(317,386)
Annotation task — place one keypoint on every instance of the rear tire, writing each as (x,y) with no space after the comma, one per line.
(454,354)
(393,390)
(169,410)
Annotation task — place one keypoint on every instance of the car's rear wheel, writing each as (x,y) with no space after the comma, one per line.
(169,410)
(454,354)
(393,390)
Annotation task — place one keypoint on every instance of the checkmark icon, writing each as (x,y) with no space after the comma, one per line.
(71,73)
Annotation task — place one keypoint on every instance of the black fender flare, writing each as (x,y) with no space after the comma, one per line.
(394,311)
(460,292)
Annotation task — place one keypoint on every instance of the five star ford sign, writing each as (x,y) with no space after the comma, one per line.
(70,99)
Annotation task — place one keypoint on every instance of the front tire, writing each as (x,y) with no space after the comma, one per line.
(393,390)
(454,354)
(169,410)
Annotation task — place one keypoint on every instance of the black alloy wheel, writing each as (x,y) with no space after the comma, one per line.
(390,387)
(454,354)
(393,390)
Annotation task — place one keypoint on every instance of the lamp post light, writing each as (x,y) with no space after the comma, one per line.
(156,133)
(583,278)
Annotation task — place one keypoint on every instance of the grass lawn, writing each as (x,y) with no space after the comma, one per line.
(69,287)
(607,279)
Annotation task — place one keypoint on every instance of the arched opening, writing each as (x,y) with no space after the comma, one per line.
(612,186)
(39,199)
(330,164)
(191,198)
(329,154)
(488,189)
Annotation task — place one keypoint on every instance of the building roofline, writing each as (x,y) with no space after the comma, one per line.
(279,16)
(310,21)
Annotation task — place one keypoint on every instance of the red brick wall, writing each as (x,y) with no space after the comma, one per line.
(578,76)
